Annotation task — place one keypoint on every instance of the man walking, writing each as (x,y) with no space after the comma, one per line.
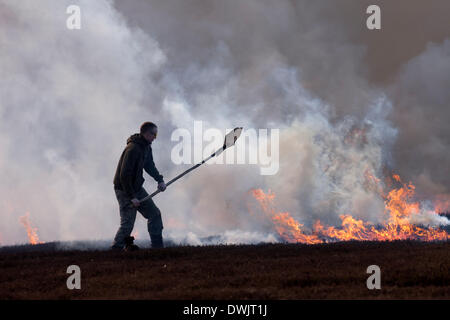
(128,182)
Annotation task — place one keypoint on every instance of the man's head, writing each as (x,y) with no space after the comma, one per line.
(149,131)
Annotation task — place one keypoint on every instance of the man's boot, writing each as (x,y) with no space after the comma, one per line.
(157,241)
(129,245)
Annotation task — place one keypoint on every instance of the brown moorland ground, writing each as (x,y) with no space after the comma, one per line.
(409,270)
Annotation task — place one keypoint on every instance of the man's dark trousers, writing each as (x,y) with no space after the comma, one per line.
(128,216)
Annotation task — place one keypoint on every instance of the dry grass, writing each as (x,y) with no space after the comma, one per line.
(409,270)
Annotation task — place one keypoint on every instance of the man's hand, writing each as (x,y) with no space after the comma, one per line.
(135,202)
(162,186)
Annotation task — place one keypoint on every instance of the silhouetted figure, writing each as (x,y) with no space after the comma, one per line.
(128,182)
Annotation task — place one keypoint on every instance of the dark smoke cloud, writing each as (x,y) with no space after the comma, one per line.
(421,95)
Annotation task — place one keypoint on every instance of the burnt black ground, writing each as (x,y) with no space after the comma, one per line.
(409,270)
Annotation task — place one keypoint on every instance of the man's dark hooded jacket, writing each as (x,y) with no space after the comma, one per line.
(136,157)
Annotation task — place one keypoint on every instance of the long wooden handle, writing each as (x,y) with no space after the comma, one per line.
(177,177)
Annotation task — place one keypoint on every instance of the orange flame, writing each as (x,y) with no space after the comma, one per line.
(31,232)
(399,208)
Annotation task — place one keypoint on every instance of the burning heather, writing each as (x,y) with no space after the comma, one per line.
(404,219)
(31,232)
(442,203)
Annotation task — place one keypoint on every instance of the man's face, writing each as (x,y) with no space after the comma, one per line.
(151,134)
